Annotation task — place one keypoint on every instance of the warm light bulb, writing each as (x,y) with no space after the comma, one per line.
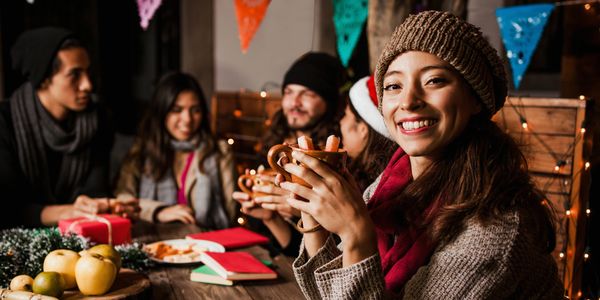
(268,122)
(587,6)
(582,130)
(241,221)
(252,172)
(557,168)
(230,141)
(568,212)
(587,165)
(263,94)
(237,113)
(524,125)
(561,255)
(581,97)
(586,256)
(588,211)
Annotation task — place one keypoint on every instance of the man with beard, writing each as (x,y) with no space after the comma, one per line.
(54,140)
(311,106)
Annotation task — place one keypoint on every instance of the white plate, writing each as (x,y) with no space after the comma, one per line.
(197,245)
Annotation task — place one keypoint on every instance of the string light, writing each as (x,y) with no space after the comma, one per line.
(568,212)
(559,164)
(586,256)
(241,221)
(561,255)
(230,141)
(581,97)
(523,123)
(588,211)
(587,6)
(587,165)
(267,122)
(252,172)
(263,94)
(582,130)
(237,113)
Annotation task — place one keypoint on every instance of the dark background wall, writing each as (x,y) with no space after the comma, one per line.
(126,60)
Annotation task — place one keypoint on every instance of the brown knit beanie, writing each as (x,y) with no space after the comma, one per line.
(458,43)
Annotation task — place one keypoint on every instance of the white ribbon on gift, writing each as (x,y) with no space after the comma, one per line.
(92,218)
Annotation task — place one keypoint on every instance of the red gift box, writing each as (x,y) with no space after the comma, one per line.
(97,228)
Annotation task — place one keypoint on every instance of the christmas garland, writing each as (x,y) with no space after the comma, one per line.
(22,251)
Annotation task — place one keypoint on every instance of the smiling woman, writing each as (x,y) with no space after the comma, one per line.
(454,215)
(176,166)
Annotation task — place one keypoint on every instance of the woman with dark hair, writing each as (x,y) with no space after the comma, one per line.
(455,214)
(176,167)
(364,136)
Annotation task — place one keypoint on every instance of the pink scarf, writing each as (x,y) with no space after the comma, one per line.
(402,249)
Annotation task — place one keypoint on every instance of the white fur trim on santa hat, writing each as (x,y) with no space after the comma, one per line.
(359,96)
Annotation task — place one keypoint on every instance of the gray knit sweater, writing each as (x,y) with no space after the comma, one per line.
(497,261)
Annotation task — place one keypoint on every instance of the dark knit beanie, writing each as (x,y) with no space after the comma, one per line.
(455,41)
(319,72)
(35,50)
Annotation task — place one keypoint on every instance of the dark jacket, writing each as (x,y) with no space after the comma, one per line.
(20,200)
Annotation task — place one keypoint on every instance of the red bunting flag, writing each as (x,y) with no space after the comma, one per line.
(250,14)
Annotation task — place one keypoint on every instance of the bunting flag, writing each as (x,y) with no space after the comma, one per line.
(521,28)
(349,17)
(250,14)
(146,10)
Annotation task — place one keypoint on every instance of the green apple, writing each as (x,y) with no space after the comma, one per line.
(95,274)
(49,284)
(21,283)
(107,251)
(62,261)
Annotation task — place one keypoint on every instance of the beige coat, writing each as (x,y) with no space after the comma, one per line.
(129,179)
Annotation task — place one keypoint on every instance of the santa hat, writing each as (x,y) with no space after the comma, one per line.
(363,98)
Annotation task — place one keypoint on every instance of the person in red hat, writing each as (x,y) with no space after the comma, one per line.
(364,135)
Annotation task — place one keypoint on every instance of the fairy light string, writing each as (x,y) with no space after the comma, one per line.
(565,187)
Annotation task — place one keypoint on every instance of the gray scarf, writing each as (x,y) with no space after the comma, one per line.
(207,193)
(35,129)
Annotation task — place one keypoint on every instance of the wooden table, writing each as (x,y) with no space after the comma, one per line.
(173,282)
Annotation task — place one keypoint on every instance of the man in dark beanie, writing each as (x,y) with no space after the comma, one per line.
(311,106)
(54,140)
(311,103)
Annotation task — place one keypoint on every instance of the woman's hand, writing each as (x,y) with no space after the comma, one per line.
(275,199)
(126,208)
(249,207)
(334,202)
(178,212)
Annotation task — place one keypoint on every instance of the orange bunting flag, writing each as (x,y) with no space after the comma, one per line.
(250,14)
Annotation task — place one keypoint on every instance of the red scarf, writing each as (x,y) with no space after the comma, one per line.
(411,249)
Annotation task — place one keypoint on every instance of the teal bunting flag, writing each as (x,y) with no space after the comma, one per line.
(349,17)
(521,28)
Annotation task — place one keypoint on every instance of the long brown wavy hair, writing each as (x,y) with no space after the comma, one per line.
(152,150)
(482,175)
(374,158)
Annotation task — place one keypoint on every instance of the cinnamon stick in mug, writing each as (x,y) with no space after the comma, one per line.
(305,143)
(333,144)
